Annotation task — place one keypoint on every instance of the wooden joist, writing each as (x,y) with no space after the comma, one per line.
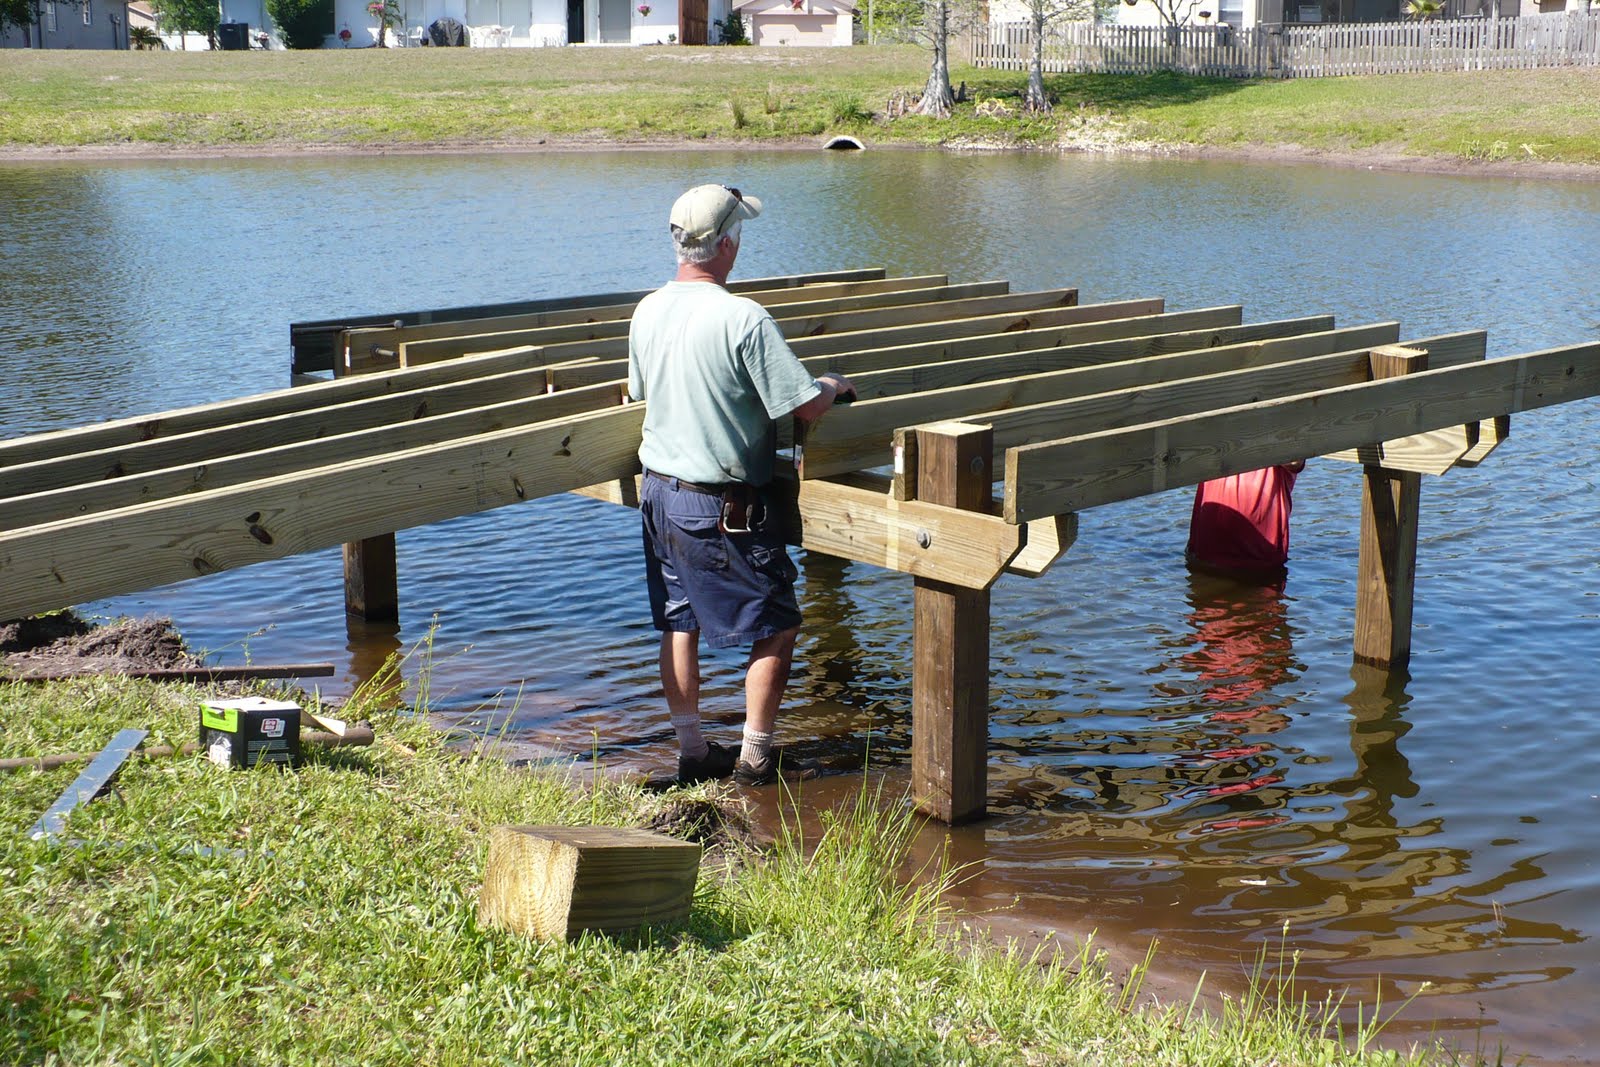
(861,434)
(854,517)
(374,340)
(844,351)
(1099,468)
(313,342)
(794,320)
(69,562)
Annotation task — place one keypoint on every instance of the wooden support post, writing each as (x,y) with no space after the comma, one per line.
(371,582)
(950,679)
(1387,573)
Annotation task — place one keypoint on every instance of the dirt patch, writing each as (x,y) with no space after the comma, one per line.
(65,644)
(719,824)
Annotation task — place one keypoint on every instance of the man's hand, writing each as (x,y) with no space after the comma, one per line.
(835,388)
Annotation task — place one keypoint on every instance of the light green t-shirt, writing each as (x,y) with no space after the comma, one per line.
(714,372)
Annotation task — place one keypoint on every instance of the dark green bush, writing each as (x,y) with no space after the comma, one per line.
(302,23)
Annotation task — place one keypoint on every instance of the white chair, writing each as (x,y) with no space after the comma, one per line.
(500,36)
(415,35)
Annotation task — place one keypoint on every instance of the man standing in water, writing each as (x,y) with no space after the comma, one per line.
(715,371)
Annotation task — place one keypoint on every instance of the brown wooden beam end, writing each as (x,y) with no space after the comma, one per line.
(1387,572)
(950,679)
(371,580)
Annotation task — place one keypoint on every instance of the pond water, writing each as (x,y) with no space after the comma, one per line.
(1168,757)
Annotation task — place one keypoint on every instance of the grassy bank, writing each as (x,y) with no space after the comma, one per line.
(424,97)
(334,923)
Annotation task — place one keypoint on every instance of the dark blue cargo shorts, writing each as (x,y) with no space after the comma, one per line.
(734,588)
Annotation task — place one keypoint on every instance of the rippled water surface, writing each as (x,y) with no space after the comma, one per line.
(1168,756)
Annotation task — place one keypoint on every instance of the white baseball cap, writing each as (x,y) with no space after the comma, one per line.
(709,210)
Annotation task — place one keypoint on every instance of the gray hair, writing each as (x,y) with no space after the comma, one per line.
(702,251)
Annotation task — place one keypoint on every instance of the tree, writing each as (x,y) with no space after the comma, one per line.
(17,13)
(302,23)
(387,12)
(939,19)
(1425,10)
(1043,14)
(1173,13)
(190,16)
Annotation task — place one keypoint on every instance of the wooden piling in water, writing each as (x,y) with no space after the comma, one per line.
(1387,571)
(950,674)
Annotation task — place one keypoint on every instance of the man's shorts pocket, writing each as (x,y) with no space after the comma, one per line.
(696,543)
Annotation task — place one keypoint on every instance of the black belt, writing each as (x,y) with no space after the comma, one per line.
(695,487)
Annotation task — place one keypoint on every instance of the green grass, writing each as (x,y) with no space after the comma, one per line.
(427,97)
(335,923)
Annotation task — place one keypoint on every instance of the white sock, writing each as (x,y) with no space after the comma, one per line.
(756,746)
(691,742)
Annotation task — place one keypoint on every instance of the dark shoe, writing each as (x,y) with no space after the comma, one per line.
(716,763)
(776,765)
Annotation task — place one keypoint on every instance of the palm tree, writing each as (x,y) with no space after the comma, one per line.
(1425,9)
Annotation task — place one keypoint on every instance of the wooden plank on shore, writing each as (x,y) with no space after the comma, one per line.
(794,320)
(390,337)
(313,342)
(554,882)
(47,567)
(1079,472)
(854,517)
(186,674)
(844,350)
(1036,407)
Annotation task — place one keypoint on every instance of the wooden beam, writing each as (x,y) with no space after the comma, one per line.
(1387,570)
(312,343)
(1047,540)
(327,434)
(853,517)
(794,320)
(844,350)
(54,444)
(1080,472)
(371,580)
(1068,354)
(950,673)
(391,337)
(1025,408)
(199,474)
(554,882)
(1485,436)
(47,567)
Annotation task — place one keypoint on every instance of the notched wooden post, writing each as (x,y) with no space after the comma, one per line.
(950,674)
(1387,572)
(371,580)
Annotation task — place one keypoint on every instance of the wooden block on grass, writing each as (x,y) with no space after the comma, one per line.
(553,882)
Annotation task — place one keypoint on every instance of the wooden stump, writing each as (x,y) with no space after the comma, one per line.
(553,882)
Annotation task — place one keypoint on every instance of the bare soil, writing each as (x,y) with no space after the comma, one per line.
(64,643)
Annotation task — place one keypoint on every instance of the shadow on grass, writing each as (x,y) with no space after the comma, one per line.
(1129,93)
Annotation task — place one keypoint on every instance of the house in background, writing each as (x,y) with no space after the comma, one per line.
(812,23)
(543,23)
(99,24)
(1248,14)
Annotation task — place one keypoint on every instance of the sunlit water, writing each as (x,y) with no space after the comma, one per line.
(1168,756)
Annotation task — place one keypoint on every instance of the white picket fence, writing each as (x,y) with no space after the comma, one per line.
(1301,51)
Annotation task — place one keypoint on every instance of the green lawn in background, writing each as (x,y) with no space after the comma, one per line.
(422,97)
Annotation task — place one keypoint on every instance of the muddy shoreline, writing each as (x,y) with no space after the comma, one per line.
(1270,154)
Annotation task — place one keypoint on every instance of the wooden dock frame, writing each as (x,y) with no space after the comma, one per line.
(1085,405)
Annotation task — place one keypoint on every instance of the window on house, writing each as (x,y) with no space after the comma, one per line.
(1231,12)
(50,18)
(86,14)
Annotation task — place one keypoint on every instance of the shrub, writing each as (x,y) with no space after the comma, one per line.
(846,107)
(739,119)
(302,23)
(732,29)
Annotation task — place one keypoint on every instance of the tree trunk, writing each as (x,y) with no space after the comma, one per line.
(1034,99)
(937,96)
(382,29)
